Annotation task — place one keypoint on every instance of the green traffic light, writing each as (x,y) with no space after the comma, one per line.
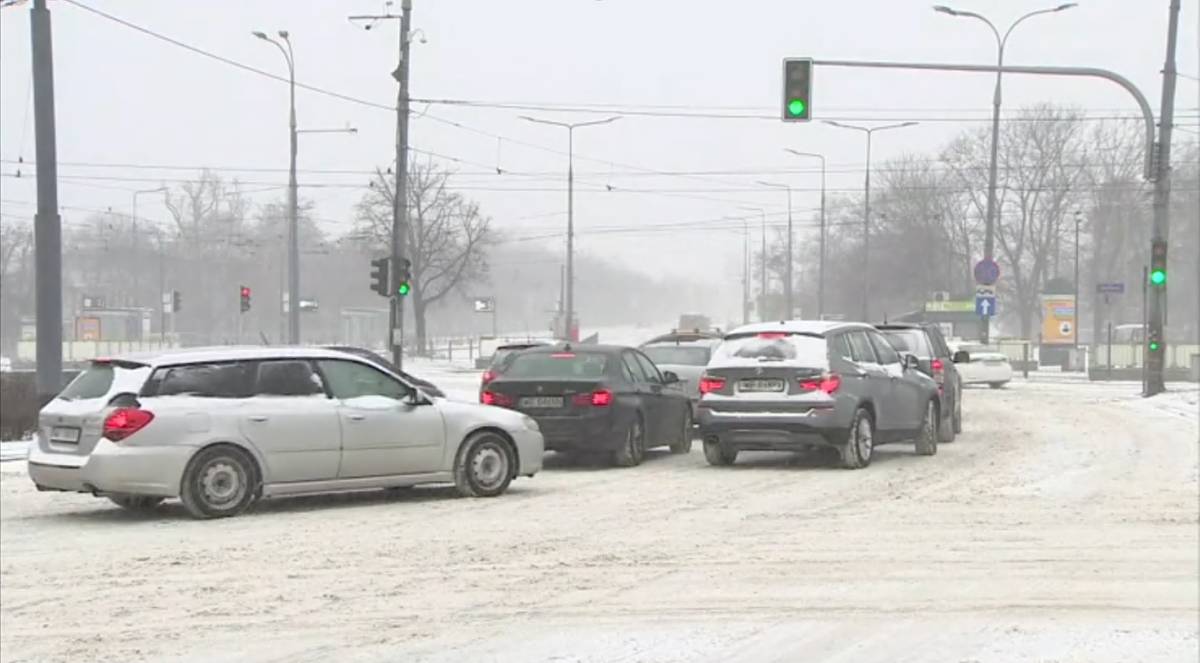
(1158,277)
(403,289)
(796,107)
(1154,346)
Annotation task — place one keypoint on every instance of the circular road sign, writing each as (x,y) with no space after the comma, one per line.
(987,272)
(1064,328)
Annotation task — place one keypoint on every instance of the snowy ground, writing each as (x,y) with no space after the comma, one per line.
(1061,526)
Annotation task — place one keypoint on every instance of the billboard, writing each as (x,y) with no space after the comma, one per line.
(1058,319)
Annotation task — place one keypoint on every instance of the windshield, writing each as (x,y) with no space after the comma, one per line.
(558,365)
(772,347)
(677,355)
(912,341)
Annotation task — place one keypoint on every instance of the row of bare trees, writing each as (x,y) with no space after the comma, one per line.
(1056,169)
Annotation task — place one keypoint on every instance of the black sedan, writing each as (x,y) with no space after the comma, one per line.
(596,399)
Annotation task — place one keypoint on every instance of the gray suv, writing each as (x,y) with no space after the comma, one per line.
(791,386)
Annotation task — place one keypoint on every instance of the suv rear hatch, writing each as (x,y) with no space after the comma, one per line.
(73,422)
(779,369)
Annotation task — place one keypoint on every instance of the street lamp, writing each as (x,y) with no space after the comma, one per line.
(762,283)
(569,304)
(293,212)
(989,238)
(866,266)
(821,260)
(134,248)
(787,285)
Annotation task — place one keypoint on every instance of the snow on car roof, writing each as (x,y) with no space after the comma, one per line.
(228,353)
(819,327)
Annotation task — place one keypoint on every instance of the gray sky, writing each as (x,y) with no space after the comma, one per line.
(126,98)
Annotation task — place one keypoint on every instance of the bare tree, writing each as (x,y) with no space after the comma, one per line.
(16,244)
(446,235)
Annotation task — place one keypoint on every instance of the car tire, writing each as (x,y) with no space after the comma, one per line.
(958,413)
(927,438)
(684,444)
(633,449)
(996,385)
(483,466)
(859,447)
(718,455)
(138,503)
(219,482)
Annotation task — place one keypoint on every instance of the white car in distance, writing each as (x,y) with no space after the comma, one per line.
(219,428)
(985,365)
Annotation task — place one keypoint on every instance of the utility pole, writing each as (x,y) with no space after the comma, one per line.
(788,304)
(821,260)
(1160,235)
(762,264)
(47,223)
(399,198)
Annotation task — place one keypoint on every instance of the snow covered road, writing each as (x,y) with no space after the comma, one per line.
(1061,526)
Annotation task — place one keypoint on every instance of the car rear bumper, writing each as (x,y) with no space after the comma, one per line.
(771,431)
(581,433)
(111,468)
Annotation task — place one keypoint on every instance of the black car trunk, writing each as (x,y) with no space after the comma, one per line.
(536,396)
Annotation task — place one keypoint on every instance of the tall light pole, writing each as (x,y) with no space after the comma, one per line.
(293,212)
(569,304)
(134,249)
(821,260)
(790,308)
(1075,327)
(762,264)
(866,266)
(989,237)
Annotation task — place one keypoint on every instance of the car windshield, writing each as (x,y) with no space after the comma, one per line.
(105,378)
(912,341)
(765,347)
(677,355)
(558,365)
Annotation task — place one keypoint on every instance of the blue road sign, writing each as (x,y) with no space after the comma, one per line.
(985,306)
(1110,288)
(987,272)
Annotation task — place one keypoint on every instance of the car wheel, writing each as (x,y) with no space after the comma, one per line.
(684,445)
(717,455)
(141,503)
(995,385)
(958,413)
(633,450)
(927,439)
(484,466)
(220,481)
(860,441)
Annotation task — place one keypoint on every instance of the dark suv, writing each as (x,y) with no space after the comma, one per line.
(790,386)
(926,343)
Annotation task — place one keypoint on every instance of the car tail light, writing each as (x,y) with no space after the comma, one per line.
(493,398)
(828,383)
(562,355)
(939,372)
(710,383)
(771,335)
(126,421)
(488,376)
(598,398)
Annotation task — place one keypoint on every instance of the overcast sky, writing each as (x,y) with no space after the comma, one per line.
(127,99)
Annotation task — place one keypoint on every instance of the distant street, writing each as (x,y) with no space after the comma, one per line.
(1060,526)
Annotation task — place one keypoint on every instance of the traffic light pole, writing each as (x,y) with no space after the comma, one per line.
(1160,234)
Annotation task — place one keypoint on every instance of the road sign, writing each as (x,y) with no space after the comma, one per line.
(485,305)
(985,291)
(1111,288)
(985,306)
(987,272)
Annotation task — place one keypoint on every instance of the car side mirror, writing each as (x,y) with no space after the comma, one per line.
(961,357)
(670,377)
(415,398)
(911,362)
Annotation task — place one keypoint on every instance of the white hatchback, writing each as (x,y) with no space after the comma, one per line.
(220,427)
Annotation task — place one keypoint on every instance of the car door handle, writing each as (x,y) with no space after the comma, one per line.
(258,417)
(356,417)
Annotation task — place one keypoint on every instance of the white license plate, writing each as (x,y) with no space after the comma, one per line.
(760,385)
(541,401)
(64,434)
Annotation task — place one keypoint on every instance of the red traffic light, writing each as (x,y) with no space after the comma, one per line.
(245,291)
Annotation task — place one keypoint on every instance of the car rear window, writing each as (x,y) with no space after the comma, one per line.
(215,380)
(558,365)
(912,341)
(678,355)
(102,378)
(803,349)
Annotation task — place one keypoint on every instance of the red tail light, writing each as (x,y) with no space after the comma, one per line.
(126,421)
(710,383)
(598,398)
(939,371)
(493,398)
(828,383)
(488,376)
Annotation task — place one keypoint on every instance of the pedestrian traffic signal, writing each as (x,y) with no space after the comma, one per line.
(404,277)
(1154,343)
(245,299)
(1158,263)
(176,301)
(379,276)
(797,89)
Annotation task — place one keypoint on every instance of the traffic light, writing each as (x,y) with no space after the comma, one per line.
(1158,263)
(176,301)
(379,276)
(797,89)
(245,299)
(404,277)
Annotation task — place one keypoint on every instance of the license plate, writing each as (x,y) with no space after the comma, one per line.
(760,385)
(64,434)
(540,401)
